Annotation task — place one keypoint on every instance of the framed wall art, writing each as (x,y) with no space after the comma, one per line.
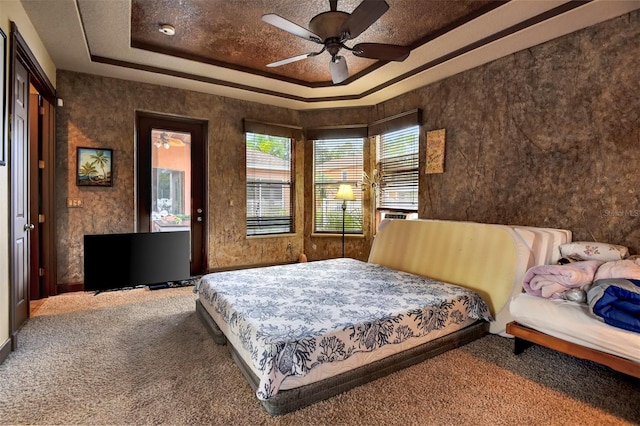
(435,151)
(95,167)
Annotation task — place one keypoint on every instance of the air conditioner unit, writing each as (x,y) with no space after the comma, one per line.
(398,215)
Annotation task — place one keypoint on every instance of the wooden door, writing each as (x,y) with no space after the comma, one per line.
(149,125)
(20,222)
(34,193)
(41,198)
(46,197)
(26,72)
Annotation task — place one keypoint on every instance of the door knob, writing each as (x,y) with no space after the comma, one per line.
(28,227)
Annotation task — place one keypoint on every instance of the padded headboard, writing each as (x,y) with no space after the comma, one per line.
(546,246)
(490,259)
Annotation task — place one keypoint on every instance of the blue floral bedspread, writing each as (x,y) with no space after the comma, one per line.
(291,318)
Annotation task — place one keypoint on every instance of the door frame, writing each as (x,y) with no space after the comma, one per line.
(145,121)
(19,51)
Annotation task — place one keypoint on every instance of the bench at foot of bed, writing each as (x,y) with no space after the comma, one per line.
(525,337)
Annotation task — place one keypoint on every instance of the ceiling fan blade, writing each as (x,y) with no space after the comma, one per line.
(292,59)
(339,70)
(386,52)
(367,12)
(290,27)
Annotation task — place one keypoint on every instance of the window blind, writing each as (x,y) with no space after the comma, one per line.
(337,161)
(398,168)
(269,184)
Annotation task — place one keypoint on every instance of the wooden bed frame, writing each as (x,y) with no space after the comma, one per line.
(525,337)
(286,401)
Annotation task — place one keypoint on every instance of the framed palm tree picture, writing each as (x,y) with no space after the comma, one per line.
(94,167)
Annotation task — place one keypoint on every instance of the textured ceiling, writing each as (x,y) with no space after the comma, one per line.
(222,47)
(232,34)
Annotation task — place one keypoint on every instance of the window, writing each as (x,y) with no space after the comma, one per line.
(337,161)
(397,163)
(269,184)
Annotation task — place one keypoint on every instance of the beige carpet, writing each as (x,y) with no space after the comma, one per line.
(142,357)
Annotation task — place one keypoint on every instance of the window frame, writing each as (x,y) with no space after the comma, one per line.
(286,223)
(332,185)
(409,166)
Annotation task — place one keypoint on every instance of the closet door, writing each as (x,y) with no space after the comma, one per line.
(20,221)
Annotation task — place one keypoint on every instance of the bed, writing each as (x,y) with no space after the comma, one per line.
(304,332)
(567,327)
(572,328)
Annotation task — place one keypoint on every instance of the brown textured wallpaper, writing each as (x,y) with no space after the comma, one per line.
(101,112)
(549,136)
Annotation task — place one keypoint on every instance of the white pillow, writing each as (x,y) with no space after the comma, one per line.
(591,250)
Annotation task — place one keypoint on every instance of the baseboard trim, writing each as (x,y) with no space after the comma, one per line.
(69,288)
(5,350)
(257,265)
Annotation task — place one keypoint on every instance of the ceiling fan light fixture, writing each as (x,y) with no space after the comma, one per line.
(327,24)
(333,28)
(167,29)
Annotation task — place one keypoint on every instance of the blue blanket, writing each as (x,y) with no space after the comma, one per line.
(616,301)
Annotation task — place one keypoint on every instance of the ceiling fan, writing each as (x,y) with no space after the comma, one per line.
(333,28)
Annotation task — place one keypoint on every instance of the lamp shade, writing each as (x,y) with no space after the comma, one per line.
(345,192)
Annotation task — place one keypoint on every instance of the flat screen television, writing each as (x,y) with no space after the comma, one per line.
(113,261)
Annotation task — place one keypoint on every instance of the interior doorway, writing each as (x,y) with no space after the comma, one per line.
(31,161)
(41,265)
(171,180)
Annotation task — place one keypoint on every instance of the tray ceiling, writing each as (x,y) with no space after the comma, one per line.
(231,33)
(223,47)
